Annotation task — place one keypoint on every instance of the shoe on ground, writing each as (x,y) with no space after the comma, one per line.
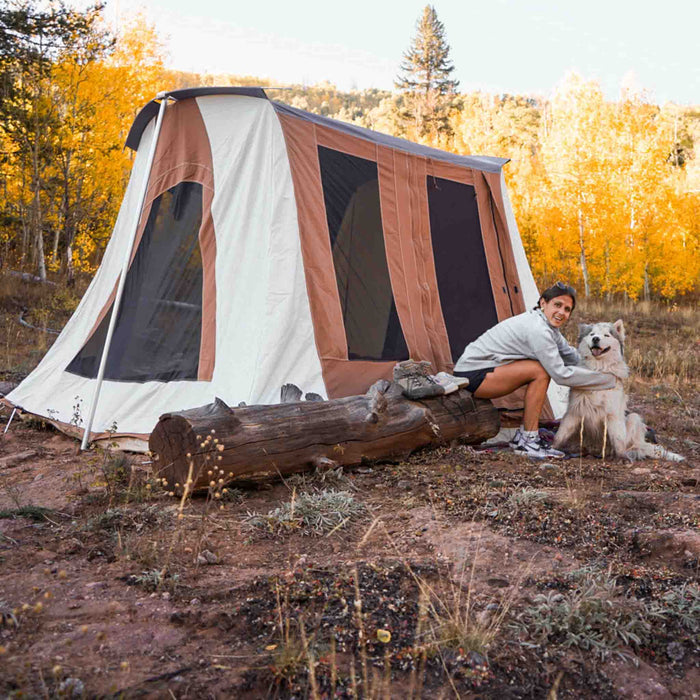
(445,381)
(535,448)
(461,382)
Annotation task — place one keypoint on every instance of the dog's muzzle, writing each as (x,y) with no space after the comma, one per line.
(596,350)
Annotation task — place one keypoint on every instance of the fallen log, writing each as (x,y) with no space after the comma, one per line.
(259,442)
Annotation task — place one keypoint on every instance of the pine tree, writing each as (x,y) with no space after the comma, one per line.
(425,75)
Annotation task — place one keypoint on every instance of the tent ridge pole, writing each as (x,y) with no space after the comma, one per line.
(122,277)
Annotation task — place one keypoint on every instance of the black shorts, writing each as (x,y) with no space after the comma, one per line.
(475,377)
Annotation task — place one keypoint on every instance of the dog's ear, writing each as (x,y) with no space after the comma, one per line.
(583,330)
(619,327)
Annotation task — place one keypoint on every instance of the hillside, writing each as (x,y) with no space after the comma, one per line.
(460,572)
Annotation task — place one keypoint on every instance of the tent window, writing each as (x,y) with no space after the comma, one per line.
(157,334)
(463,277)
(351,196)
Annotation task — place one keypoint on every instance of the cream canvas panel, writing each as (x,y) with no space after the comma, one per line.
(265,335)
(49,390)
(558,395)
(131,407)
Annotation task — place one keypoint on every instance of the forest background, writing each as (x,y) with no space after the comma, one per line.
(606,193)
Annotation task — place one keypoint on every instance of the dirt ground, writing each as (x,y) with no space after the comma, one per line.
(460,572)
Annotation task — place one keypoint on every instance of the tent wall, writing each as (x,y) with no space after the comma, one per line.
(406,223)
(261,316)
(279,266)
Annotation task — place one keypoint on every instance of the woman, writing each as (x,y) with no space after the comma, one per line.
(529,350)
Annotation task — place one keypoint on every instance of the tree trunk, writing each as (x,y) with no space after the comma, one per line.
(647,286)
(582,245)
(260,442)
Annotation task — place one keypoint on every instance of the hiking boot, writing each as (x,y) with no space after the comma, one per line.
(535,448)
(461,382)
(415,381)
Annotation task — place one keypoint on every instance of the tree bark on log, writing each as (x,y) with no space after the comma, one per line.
(260,442)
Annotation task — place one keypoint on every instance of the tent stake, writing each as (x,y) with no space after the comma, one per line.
(122,279)
(12,415)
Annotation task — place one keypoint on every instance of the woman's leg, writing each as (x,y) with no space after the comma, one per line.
(507,378)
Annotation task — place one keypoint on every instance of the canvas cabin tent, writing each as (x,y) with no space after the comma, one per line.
(276,246)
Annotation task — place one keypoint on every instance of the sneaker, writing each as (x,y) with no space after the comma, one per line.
(536,448)
(415,380)
(445,381)
(461,382)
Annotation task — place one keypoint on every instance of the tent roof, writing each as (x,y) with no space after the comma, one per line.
(150,110)
(483,163)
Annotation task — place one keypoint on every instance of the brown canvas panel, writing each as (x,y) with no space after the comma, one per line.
(493,181)
(345,378)
(321,285)
(183,153)
(449,171)
(395,196)
(492,248)
(69,428)
(346,143)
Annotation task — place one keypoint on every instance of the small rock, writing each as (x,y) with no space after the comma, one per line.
(13,459)
(639,471)
(548,466)
(165,595)
(195,601)
(675,651)
(476,659)
(71,688)
(498,582)
(484,617)
(96,584)
(7,387)
(207,557)
(38,477)
(405,485)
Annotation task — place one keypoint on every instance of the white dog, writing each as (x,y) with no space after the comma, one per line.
(599,419)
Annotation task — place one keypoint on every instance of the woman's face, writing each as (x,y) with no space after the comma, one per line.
(557,310)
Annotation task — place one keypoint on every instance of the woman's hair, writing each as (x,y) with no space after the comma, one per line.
(558,290)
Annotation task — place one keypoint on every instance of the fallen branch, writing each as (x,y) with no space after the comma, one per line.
(263,442)
(23,313)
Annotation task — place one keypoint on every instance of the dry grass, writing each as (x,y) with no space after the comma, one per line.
(663,341)
(46,306)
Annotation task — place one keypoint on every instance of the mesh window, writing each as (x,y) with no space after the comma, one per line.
(157,335)
(460,261)
(351,195)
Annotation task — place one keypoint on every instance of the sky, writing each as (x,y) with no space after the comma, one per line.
(497,46)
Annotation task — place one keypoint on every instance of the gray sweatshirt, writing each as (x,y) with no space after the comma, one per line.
(528,336)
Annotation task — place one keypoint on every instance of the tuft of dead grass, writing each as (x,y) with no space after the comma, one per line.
(663,340)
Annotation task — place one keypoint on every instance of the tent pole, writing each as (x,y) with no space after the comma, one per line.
(122,279)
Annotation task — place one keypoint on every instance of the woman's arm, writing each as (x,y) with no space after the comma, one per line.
(547,352)
(569,354)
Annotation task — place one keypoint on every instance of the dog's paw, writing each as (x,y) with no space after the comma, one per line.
(633,455)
